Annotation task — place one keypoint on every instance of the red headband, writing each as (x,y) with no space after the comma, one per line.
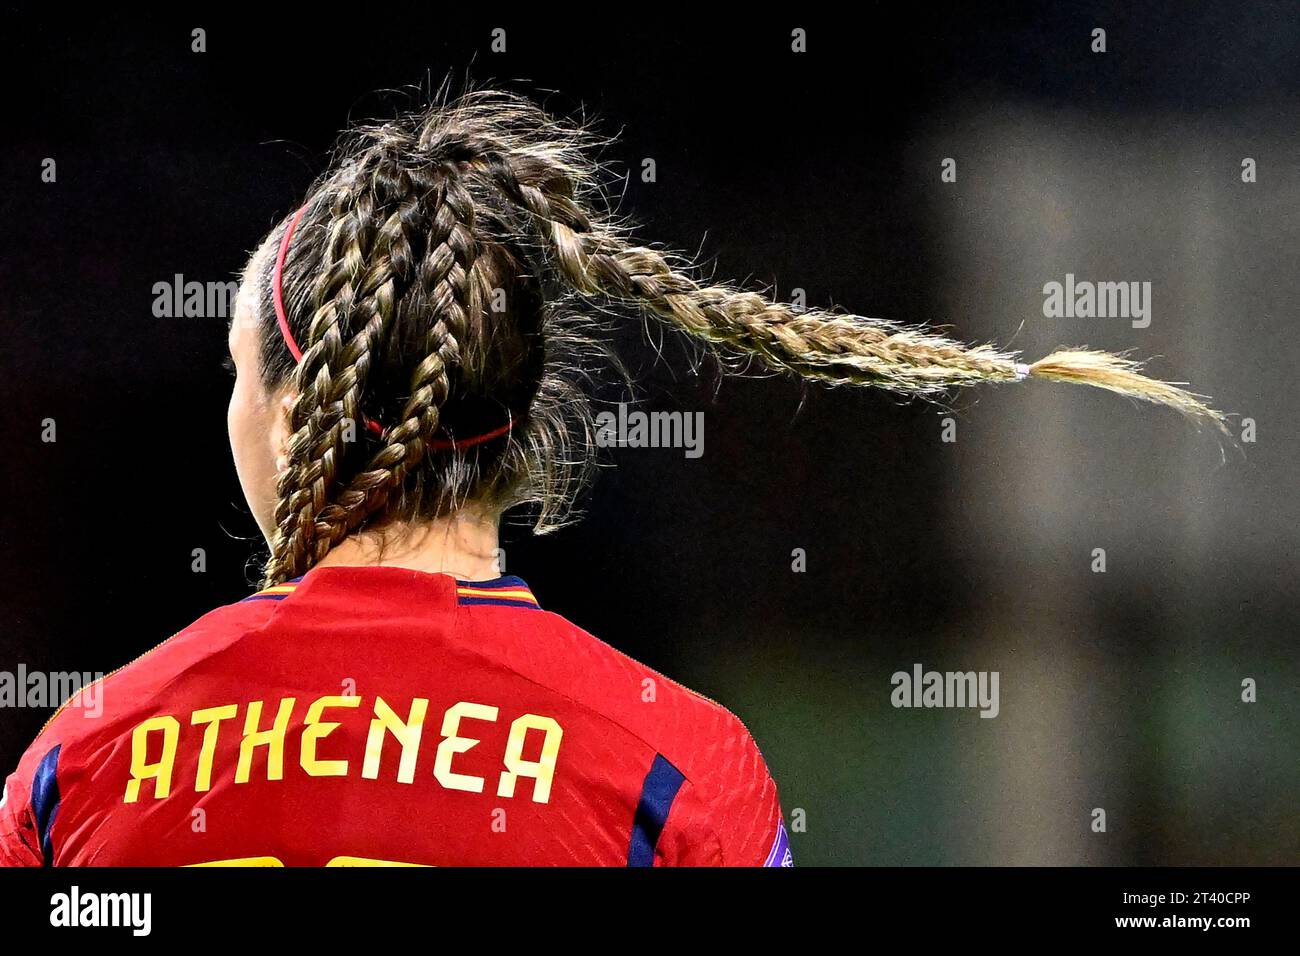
(277,296)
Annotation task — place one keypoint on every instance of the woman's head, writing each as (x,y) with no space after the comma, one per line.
(436,284)
(434,349)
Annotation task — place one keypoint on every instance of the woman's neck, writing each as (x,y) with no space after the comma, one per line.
(463,544)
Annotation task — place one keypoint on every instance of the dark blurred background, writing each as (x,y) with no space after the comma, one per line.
(818,171)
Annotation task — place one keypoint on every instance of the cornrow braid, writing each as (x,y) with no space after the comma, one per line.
(361,272)
(453,297)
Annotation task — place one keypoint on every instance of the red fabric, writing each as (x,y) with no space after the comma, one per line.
(397,635)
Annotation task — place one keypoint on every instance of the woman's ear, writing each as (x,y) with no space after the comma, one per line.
(279,434)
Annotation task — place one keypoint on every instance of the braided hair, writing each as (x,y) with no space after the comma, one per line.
(437,285)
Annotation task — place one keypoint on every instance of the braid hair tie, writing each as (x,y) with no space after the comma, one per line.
(282,320)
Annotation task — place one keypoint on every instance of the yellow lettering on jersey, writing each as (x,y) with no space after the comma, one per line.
(272,739)
(154,759)
(408,735)
(541,770)
(212,716)
(161,771)
(362,861)
(314,730)
(455,744)
(336,861)
(242,861)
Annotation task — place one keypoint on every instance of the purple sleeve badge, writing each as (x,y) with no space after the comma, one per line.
(780,854)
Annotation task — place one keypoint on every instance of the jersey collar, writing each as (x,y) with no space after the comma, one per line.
(505,591)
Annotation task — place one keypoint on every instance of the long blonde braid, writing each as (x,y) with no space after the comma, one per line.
(488,196)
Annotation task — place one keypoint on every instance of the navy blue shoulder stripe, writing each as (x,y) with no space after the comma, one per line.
(45,801)
(657,795)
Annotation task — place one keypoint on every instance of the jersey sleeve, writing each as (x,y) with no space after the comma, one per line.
(29,806)
(727,812)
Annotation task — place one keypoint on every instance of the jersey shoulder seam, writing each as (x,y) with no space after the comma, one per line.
(99,682)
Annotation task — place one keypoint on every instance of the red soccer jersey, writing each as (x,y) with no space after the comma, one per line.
(380,716)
